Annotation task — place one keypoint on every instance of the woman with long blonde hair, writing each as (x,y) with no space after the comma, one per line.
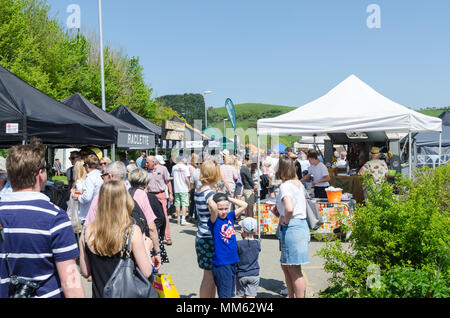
(101,241)
(80,175)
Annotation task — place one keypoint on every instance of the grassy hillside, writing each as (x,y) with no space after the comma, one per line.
(248,114)
(433,111)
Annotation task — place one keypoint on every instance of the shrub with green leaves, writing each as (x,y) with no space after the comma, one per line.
(403,231)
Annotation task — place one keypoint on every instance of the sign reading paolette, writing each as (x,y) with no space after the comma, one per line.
(127,139)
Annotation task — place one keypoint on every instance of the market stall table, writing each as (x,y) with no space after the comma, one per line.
(332,213)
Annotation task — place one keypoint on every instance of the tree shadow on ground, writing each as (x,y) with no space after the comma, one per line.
(189,232)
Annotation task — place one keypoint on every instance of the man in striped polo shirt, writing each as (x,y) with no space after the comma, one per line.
(39,240)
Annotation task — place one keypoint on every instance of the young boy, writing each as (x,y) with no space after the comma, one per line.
(248,268)
(221,224)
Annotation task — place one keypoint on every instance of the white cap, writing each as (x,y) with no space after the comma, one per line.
(160,159)
(248,225)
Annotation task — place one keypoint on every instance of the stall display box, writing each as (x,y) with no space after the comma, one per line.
(268,221)
(331,213)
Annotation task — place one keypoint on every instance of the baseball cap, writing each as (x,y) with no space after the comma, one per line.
(160,159)
(248,225)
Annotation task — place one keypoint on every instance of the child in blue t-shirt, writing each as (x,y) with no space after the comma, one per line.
(221,224)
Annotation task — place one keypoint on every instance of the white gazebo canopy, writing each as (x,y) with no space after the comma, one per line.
(352,106)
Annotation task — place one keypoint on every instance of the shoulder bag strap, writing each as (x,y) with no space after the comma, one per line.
(2,237)
(126,246)
(131,191)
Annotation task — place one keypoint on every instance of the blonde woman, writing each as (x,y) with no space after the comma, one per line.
(102,240)
(80,176)
(204,243)
(103,163)
(239,187)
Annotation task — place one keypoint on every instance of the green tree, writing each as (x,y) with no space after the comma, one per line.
(37,48)
(190,106)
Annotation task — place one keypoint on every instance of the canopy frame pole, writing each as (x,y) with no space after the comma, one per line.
(440,147)
(259,190)
(113,152)
(410,150)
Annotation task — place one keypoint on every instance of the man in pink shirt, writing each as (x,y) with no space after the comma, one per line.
(117,171)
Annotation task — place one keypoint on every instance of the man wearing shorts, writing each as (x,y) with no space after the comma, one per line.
(180,174)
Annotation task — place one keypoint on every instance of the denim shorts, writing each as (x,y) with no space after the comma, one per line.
(225,280)
(294,239)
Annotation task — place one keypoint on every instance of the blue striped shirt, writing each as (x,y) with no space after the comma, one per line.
(37,235)
(201,204)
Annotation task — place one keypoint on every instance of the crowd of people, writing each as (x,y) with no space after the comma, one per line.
(115,197)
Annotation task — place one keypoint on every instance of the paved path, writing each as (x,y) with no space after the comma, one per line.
(187,275)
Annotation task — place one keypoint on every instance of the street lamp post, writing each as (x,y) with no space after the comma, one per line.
(102,70)
(224,139)
(102,67)
(206,108)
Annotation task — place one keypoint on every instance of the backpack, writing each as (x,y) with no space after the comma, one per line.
(138,215)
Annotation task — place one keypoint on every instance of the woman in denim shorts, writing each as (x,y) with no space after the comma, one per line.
(293,228)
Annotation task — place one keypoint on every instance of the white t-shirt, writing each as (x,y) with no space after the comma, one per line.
(179,174)
(298,197)
(318,172)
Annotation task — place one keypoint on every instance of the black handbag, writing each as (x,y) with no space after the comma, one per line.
(127,281)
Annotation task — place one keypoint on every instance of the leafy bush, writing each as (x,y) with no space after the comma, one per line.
(402,232)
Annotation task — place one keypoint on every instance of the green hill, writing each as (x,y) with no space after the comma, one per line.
(248,114)
(435,112)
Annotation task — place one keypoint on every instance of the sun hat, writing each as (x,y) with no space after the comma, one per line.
(248,225)
(225,152)
(160,159)
(375,150)
(85,151)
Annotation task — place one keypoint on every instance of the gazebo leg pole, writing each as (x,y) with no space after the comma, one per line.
(259,191)
(440,147)
(410,159)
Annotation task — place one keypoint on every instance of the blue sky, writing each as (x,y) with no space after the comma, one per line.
(286,52)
